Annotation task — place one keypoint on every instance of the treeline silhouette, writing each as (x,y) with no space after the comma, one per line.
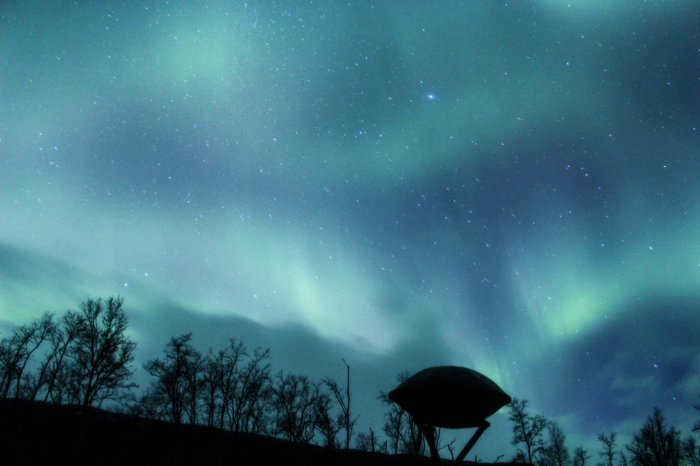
(235,389)
(542,442)
(83,361)
(87,360)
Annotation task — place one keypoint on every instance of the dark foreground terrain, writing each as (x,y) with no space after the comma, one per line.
(39,433)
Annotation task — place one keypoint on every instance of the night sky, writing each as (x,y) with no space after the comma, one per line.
(511,187)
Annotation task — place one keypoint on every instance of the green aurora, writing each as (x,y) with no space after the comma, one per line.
(508,186)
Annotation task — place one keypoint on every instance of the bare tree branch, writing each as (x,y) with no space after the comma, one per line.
(527,430)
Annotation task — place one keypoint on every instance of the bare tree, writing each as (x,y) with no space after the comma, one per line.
(527,431)
(325,424)
(54,363)
(623,459)
(345,419)
(441,444)
(404,434)
(16,352)
(169,394)
(227,389)
(394,423)
(99,360)
(691,451)
(221,374)
(556,453)
(212,383)
(250,397)
(609,451)
(367,442)
(194,385)
(656,444)
(580,457)
(294,399)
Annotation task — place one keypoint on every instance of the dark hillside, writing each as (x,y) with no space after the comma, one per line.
(40,433)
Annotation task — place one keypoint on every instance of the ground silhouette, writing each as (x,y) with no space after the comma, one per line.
(41,433)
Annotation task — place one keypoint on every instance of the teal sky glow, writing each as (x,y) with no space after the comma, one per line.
(508,186)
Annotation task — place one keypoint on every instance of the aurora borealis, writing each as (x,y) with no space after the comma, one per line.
(512,187)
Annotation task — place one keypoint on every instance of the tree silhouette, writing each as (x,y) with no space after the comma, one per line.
(369,442)
(609,451)
(228,389)
(656,444)
(170,395)
(294,399)
(100,357)
(194,383)
(556,453)
(404,434)
(250,394)
(580,457)
(345,420)
(325,424)
(691,451)
(223,386)
(527,431)
(17,351)
(52,370)
(214,375)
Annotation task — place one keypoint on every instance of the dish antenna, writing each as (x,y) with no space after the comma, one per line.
(452,397)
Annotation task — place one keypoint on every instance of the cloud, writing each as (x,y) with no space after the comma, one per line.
(641,358)
(31,283)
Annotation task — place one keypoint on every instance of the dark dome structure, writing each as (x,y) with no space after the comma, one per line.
(450,396)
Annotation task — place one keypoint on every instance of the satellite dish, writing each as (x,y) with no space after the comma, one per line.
(452,397)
